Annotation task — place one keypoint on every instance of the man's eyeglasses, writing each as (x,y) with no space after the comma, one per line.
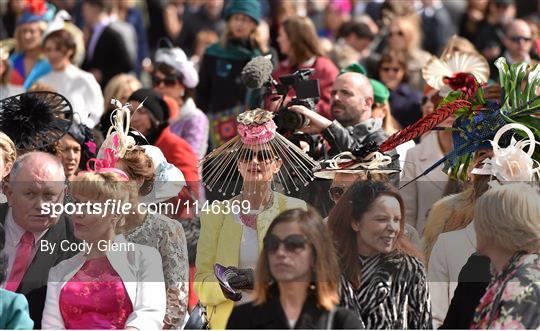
(293,243)
(265,156)
(336,193)
(518,39)
(168,81)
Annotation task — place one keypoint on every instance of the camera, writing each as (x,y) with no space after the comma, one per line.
(307,94)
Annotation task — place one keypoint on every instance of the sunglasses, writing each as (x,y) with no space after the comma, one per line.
(168,81)
(518,39)
(295,243)
(336,193)
(388,69)
(262,156)
(434,99)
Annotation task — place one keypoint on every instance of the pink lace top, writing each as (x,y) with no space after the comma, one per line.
(95,298)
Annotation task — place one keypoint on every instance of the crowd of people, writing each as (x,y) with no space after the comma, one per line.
(306,164)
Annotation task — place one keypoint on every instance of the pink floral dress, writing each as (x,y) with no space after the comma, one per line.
(512,300)
(95,298)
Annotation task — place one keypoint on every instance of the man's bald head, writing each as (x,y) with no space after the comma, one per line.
(39,166)
(518,40)
(36,179)
(359,80)
(352,98)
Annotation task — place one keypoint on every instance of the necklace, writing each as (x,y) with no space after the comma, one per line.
(250,220)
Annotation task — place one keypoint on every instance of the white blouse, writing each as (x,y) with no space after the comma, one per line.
(82,90)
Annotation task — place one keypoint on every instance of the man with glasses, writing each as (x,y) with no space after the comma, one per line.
(518,42)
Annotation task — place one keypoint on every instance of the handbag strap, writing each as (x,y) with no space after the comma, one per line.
(330,319)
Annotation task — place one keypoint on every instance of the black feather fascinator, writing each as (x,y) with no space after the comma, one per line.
(35,120)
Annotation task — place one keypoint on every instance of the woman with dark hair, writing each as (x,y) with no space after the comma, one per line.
(383,279)
(13,306)
(73,149)
(404,100)
(175,78)
(297,39)
(296,284)
(78,86)
(220,92)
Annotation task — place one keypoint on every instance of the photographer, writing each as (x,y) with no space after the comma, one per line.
(350,104)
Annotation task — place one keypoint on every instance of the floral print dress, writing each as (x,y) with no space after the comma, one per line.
(512,300)
(168,237)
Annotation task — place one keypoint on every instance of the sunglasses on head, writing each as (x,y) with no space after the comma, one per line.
(336,193)
(168,81)
(518,39)
(262,156)
(293,243)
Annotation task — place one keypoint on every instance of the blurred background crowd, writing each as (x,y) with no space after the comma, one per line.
(183,60)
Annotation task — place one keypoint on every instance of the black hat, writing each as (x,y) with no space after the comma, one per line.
(35,120)
(154,102)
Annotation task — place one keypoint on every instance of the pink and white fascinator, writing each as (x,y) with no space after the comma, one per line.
(257,136)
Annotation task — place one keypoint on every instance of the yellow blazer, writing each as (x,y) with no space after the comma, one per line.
(219,242)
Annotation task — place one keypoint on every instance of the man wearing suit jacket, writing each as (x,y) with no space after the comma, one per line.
(36,178)
(106,52)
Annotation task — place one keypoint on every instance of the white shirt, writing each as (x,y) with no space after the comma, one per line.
(450,253)
(14,233)
(82,91)
(402,151)
(249,253)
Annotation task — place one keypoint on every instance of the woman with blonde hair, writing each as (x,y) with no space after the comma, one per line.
(367,225)
(28,63)
(8,154)
(111,283)
(404,35)
(296,284)
(120,87)
(298,41)
(508,232)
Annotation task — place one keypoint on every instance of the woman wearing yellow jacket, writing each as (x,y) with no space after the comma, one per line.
(232,231)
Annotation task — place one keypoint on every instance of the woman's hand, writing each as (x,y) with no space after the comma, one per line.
(243,280)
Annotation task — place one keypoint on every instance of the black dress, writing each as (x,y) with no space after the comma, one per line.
(473,280)
(270,315)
